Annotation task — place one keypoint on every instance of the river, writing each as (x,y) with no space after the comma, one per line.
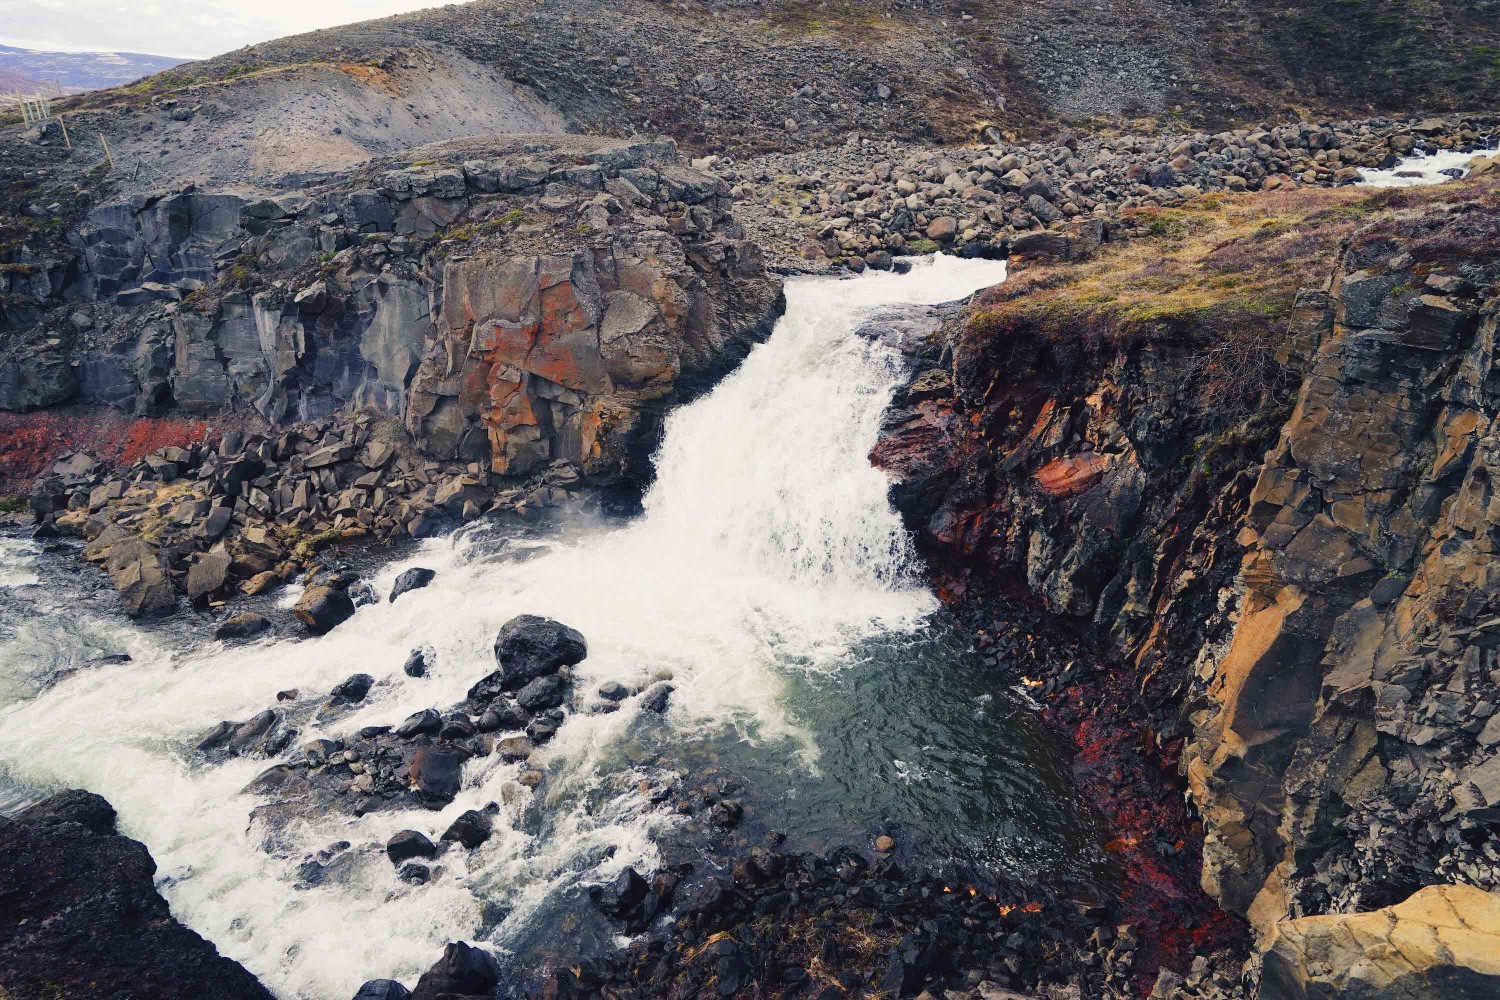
(767,576)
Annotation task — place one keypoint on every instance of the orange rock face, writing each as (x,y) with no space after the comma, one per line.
(1066,477)
(569,355)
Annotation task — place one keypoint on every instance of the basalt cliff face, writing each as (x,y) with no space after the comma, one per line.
(527,309)
(1278,522)
(580,284)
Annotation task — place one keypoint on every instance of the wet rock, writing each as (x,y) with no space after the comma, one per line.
(623,895)
(542,693)
(382,989)
(247,625)
(437,775)
(415,873)
(419,662)
(613,691)
(508,717)
(514,748)
(529,647)
(457,729)
(408,844)
(426,721)
(726,813)
(463,971)
(412,579)
(323,607)
(657,698)
(470,829)
(81,908)
(543,728)
(354,688)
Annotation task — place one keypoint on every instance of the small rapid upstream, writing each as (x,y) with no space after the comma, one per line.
(768,576)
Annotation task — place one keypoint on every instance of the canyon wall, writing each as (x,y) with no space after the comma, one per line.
(1273,506)
(513,303)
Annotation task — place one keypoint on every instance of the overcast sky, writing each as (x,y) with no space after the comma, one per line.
(183,28)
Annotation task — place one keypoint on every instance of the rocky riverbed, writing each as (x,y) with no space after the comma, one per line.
(412,530)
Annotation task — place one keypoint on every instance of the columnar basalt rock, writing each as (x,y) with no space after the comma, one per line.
(1355,694)
(1309,603)
(514,302)
(573,356)
(1441,944)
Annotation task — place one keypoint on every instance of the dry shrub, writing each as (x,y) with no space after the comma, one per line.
(31,442)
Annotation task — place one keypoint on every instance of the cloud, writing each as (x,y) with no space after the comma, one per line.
(183,28)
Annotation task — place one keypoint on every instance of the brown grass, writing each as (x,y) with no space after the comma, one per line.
(1219,275)
(1223,261)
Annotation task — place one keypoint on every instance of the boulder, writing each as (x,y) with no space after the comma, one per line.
(657,698)
(471,829)
(354,688)
(419,661)
(242,626)
(437,775)
(942,229)
(529,647)
(426,721)
(407,844)
(140,575)
(463,971)
(322,607)
(1442,943)
(81,909)
(382,989)
(542,693)
(413,579)
(208,575)
(620,897)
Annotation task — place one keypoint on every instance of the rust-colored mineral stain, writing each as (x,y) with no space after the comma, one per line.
(1066,477)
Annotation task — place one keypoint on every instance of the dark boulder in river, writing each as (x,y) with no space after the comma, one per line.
(80,915)
(413,579)
(354,689)
(323,606)
(470,829)
(242,626)
(382,989)
(529,647)
(463,971)
(407,844)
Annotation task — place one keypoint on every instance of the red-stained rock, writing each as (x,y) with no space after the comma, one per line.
(1066,477)
(568,355)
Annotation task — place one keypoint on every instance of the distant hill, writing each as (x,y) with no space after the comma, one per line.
(75,72)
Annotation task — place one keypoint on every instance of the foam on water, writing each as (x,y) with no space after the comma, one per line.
(17,559)
(767,547)
(1420,171)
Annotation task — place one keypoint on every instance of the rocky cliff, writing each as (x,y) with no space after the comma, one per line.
(1245,450)
(82,917)
(511,315)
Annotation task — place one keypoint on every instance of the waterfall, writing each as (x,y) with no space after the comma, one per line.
(767,547)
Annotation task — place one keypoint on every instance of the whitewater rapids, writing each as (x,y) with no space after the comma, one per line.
(767,549)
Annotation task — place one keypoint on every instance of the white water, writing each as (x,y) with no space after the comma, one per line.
(1421,170)
(17,557)
(767,546)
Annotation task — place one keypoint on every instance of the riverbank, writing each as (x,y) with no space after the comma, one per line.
(1166,446)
